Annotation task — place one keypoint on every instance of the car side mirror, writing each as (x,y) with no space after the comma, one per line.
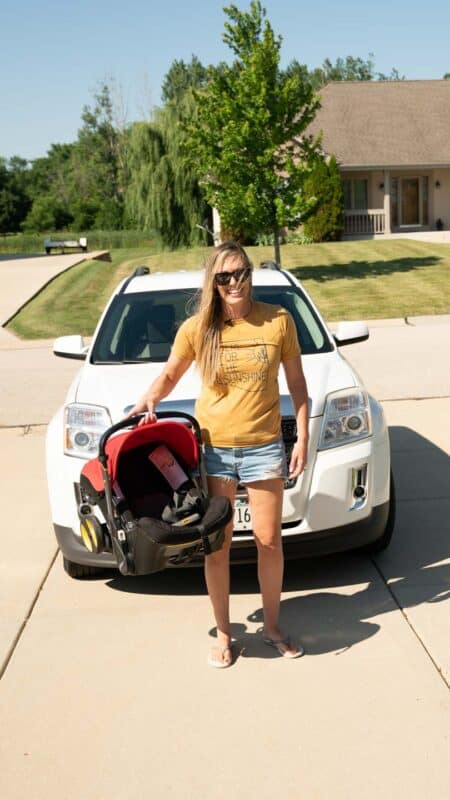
(350,333)
(70,347)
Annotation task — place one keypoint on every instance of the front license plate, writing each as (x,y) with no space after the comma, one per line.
(242,517)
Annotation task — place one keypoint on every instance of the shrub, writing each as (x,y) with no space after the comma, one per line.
(298,237)
(327,221)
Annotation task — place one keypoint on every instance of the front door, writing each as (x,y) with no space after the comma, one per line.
(410,201)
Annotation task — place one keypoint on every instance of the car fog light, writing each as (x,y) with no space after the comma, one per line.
(359,484)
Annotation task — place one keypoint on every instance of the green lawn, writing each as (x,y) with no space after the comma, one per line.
(347,280)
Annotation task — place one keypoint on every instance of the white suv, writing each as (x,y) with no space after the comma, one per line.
(344,499)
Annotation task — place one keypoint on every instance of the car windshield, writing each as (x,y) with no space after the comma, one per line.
(141,327)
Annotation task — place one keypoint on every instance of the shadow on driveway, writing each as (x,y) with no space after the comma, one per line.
(327,616)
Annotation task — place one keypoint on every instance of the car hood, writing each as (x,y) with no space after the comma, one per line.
(117,387)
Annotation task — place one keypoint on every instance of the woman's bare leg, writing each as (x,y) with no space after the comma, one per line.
(217,574)
(266,499)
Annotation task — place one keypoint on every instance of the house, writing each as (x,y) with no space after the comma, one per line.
(392,143)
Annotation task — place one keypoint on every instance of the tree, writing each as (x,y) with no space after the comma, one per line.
(350,68)
(83,184)
(327,221)
(247,142)
(50,187)
(344,69)
(394,75)
(15,199)
(181,77)
(163,192)
(97,183)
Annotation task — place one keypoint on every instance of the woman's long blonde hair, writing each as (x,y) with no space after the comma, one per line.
(209,310)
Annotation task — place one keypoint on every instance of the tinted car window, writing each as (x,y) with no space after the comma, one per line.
(141,327)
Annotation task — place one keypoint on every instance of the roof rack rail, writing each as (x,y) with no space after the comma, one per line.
(269,265)
(137,273)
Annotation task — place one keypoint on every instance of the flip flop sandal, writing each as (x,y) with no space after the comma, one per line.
(214,662)
(287,642)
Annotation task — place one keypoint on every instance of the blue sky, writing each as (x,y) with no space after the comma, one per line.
(54,54)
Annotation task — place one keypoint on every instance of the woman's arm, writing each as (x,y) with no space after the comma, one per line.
(297,387)
(161,387)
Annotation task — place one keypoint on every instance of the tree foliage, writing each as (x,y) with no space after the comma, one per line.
(49,189)
(247,143)
(180,78)
(82,184)
(228,135)
(14,197)
(163,192)
(325,183)
(350,68)
(97,167)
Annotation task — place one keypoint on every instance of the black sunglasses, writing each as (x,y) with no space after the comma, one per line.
(240,275)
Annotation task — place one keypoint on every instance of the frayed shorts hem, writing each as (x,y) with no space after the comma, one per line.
(246,464)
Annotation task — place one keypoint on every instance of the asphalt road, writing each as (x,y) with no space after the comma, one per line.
(106,692)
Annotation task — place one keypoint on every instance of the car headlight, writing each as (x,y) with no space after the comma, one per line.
(346,418)
(83,427)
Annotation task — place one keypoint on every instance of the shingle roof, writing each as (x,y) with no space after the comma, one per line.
(385,123)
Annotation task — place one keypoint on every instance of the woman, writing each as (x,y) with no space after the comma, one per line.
(238,345)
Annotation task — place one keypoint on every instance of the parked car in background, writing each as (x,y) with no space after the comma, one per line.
(344,499)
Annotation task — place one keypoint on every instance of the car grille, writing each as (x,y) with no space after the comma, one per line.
(289,429)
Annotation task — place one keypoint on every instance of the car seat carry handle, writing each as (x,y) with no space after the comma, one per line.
(131,422)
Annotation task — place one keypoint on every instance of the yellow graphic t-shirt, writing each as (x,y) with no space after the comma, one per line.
(242,408)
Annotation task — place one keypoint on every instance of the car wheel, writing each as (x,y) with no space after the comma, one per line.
(383,541)
(81,570)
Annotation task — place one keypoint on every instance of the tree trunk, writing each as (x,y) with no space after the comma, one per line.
(276,244)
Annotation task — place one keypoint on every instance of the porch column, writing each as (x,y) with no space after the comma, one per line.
(387,201)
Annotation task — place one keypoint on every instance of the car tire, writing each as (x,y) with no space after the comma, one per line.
(81,570)
(383,541)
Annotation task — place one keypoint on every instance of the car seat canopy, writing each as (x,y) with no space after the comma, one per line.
(177,436)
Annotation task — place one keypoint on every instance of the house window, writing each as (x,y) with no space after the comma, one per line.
(355,194)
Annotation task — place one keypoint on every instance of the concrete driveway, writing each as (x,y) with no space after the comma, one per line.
(25,276)
(106,692)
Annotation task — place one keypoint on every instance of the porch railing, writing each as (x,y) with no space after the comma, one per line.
(368,221)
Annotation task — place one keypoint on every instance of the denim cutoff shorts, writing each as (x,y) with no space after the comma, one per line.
(246,464)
